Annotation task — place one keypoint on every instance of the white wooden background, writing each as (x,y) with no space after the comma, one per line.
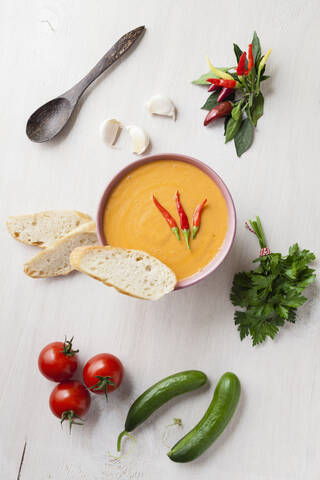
(46,46)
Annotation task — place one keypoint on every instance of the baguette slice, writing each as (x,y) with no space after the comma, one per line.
(43,228)
(132,272)
(55,259)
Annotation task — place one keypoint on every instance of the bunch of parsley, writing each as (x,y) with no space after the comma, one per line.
(272,293)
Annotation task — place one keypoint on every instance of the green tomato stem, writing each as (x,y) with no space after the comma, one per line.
(102,384)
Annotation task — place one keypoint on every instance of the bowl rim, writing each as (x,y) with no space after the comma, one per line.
(232,216)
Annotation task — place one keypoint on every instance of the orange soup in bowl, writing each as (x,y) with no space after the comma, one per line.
(131,219)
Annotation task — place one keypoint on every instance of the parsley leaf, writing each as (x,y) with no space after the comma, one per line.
(270,294)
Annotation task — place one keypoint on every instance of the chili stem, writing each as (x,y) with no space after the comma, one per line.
(186,236)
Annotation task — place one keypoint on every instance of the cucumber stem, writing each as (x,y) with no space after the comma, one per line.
(176,421)
(122,434)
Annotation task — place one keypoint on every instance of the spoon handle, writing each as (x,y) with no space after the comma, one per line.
(112,55)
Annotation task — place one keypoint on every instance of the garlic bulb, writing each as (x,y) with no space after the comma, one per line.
(161,105)
(139,138)
(109,130)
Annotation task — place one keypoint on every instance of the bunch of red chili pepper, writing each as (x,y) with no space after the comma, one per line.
(236,95)
(184,222)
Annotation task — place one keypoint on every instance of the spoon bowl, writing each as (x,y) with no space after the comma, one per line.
(47,121)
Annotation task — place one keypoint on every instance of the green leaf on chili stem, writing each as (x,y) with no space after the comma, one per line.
(232,128)
(256,49)
(237,51)
(264,77)
(226,125)
(244,137)
(211,101)
(257,108)
(236,111)
(202,80)
(252,76)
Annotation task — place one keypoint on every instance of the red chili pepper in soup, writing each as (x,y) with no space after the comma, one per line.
(184,222)
(170,220)
(197,218)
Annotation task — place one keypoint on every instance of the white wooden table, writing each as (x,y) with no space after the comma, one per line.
(46,46)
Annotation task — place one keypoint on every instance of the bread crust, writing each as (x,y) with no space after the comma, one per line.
(75,260)
(29,266)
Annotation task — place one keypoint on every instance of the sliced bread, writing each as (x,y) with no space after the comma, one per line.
(55,259)
(131,272)
(43,228)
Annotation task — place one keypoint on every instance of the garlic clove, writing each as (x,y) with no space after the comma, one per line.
(139,137)
(109,130)
(161,105)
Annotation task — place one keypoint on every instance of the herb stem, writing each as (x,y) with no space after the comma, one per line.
(257,227)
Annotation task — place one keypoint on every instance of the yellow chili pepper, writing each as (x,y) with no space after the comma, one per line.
(264,59)
(219,73)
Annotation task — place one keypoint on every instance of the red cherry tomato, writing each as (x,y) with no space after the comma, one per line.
(103,373)
(57,361)
(70,400)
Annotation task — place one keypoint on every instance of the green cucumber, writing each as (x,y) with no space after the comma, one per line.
(158,394)
(222,407)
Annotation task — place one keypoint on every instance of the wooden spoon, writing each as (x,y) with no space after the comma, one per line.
(46,122)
